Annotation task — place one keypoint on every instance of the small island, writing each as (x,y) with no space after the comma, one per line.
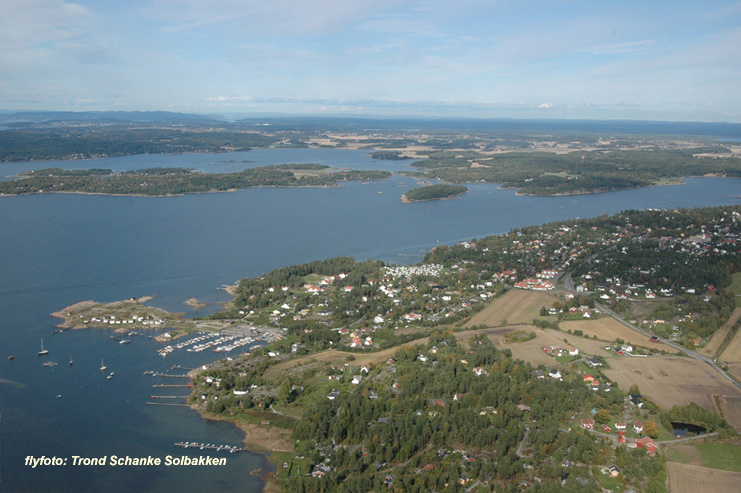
(433,192)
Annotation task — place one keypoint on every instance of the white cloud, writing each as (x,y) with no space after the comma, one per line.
(545,106)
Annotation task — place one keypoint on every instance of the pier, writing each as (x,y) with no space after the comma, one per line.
(166,404)
(208,446)
(169,397)
(165,386)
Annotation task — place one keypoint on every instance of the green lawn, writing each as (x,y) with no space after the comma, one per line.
(721,456)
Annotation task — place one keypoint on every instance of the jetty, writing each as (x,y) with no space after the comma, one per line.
(166,404)
(208,446)
(169,397)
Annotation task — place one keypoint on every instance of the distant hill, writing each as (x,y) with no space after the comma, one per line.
(126,116)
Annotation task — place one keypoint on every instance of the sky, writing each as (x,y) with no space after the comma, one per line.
(647,60)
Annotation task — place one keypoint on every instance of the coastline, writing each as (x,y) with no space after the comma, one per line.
(261,440)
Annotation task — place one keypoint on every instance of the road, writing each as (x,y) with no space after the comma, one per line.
(568,284)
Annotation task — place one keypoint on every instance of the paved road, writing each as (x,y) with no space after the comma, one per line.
(568,284)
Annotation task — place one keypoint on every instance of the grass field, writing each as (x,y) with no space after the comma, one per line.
(531,351)
(721,456)
(712,347)
(671,380)
(514,307)
(690,478)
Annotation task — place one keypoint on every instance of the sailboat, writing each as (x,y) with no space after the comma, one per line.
(103,367)
(70,359)
(43,351)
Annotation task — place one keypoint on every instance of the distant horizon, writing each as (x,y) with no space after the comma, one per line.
(236,116)
(663,60)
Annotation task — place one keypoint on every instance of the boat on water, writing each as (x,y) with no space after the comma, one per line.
(103,367)
(110,376)
(43,351)
(124,341)
(70,359)
(49,363)
(11,357)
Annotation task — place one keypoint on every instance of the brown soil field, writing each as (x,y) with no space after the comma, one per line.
(605,328)
(530,351)
(712,347)
(735,370)
(584,345)
(689,478)
(515,306)
(733,352)
(337,357)
(671,380)
(731,410)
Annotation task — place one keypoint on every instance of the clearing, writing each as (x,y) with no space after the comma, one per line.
(731,407)
(732,353)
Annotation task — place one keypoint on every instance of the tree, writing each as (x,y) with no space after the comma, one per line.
(650,429)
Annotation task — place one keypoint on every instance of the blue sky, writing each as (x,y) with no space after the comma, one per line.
(657,60)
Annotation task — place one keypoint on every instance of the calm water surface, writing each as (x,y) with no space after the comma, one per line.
(56,250)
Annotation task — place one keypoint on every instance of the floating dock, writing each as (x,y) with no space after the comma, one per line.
(208,446)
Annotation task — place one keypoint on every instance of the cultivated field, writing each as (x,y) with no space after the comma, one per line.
(337,358)
(530,351)
(735,370)
(733,352)
(515,306)
(671,380)
(712,347)
(688,478)
(584,345)
(731,410)
(605,328)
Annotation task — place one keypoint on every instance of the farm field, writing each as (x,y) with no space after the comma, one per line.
(515,306)
(731,410)
(671,380)
(609,329)
(587,346)
(689,478)
(712,347)
(530,351)
(735,370)
(732,353)
(335,357)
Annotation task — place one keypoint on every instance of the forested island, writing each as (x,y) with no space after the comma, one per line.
(433,192)
(494,363)
(175,181)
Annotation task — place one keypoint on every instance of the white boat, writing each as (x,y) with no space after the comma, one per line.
(43,351)
(103,367)
(110,376)
(70,359)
